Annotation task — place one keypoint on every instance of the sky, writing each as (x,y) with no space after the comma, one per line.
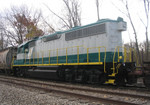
(108,9)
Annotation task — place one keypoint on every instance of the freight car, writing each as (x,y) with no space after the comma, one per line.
(6,58)
(92,53)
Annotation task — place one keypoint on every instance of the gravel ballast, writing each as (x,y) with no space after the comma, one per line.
(10,95)
(19,95)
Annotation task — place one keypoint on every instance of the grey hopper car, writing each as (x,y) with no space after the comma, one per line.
(6,58)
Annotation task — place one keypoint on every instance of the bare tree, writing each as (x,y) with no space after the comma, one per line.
(3,40)
(128,15)
(72,15)
(146,25)
(97,7)
(1,37)
(48,28)
(22,24)
(134,30)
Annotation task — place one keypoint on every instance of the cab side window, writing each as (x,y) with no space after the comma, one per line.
(26,50)
(20,50)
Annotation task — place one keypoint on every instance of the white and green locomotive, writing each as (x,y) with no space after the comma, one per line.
(90,53)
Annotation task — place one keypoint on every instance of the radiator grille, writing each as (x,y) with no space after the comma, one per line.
(85,32)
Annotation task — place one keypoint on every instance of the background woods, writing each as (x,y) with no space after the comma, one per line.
(21,23)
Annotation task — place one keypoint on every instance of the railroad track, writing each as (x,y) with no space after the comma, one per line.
(72,91)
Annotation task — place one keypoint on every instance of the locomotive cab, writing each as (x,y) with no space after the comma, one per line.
(25,51)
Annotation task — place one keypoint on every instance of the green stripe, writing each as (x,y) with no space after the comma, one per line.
(93,57)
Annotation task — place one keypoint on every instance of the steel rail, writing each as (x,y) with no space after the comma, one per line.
(84,89)
(86,97)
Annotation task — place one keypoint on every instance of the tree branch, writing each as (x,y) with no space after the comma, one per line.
(57,16)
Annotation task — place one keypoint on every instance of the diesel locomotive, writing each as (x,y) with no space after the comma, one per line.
(89,54)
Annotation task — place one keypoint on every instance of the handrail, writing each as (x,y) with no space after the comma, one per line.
(78,54)
(66,54)
(42,57)
(76,50)
(98,55)
(118,48)
(25,57)
(87,55)
(130,59)
(38,57)
(136,58)
(132,51)
(114,60)
(49,56)
(105,61)
(30,59)
(33,57)
(125,56)
(12,63)
(57,56)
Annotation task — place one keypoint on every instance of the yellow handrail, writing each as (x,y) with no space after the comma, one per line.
(114,60)
(25,57)
(49,56)
(99,57)
(33,57)
(118,54)
(30,59)
(130,55)
(118,47)
(99,54)
(78,54)
(38,57)
(42,56)
(66,56)
(136,58)
(125,54)
(105,61)
(57,56)
(87,55)
(12,63)
(133,51)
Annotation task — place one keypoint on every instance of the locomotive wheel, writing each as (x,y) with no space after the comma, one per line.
(147,81)
(20,73)
(120,80)
(103,78)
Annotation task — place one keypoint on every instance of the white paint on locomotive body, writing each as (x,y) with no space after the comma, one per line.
(110,38)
